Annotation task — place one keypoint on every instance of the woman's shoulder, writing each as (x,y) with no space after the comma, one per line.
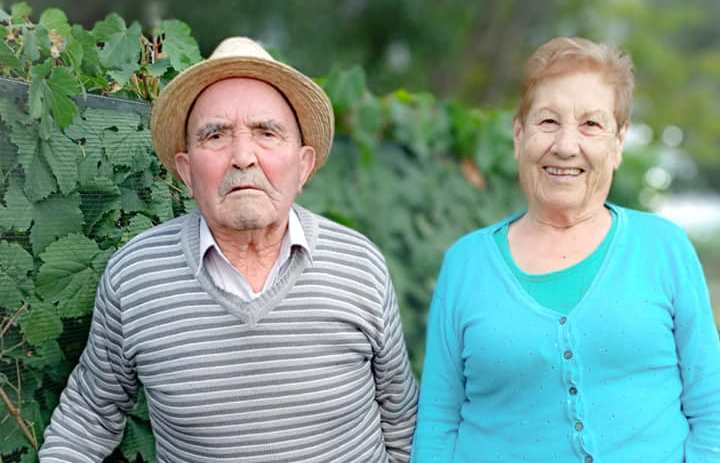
(476,243)
(648,222)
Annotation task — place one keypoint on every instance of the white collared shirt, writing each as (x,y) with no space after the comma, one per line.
(228,278)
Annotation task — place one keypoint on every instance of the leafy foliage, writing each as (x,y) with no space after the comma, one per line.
(79,179)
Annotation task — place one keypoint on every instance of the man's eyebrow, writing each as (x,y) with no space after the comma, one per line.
(211,127)
(268,124)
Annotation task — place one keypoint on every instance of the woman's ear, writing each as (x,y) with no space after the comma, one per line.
(518,130)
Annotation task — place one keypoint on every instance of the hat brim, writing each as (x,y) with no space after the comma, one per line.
(310,103)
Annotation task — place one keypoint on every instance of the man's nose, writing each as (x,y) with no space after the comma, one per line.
(567,142)
(243,149)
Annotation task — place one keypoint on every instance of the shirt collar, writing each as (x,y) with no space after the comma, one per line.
(294,233)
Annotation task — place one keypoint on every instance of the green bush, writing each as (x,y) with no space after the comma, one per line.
(79,179)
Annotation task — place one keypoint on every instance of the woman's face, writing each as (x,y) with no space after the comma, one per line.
(569,144)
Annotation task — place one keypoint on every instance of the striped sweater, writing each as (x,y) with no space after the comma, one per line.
(313,370)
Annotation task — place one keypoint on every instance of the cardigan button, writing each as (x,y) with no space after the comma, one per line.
(568,355)
(579,426)
(563,320)
(589,459)
(572,390)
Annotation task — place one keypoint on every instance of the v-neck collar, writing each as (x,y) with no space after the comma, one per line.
(252,311)
(507,274)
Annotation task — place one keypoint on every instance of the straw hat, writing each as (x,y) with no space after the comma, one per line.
(240,57)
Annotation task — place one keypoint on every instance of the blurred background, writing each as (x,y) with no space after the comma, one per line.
(424,94)
(474,51)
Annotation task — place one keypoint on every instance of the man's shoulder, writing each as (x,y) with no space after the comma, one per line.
(167,235)
(343,242)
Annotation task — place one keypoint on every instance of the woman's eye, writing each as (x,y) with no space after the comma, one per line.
(548,121)
(593,124)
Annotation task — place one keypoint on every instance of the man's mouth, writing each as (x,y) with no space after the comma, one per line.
(563,171)
(239,188)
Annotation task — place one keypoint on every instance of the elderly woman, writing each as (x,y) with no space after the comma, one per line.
(577,330)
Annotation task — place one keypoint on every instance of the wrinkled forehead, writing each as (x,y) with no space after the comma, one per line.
(240,93)
(580,92)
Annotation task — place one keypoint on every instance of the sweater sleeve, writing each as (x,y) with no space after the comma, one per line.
(698,348)
(89,420)
(442,389)
(396,389)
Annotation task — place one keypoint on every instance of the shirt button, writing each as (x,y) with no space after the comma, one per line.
(568,355)
(563,320)
(572,390)
(579,426)
(588,459)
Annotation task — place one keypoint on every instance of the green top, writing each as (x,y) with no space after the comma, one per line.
(561,290)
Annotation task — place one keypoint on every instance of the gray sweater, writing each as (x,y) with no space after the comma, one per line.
(314,370)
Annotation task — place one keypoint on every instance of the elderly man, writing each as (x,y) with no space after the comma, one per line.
(259,330)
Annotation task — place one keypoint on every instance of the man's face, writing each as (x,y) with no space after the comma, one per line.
(244,163)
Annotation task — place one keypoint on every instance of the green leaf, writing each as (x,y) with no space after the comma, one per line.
(42,325)
(122,47)
(161,202)
(54,217)
(38,75)
(30,456)
(178,44)
(30,46)
(111,25)
(16,215)
(73,54)
(39,181)
(15,260)
(159,67)
(20,12)
(124,140)
(123,74)
(345,88)
(10,295)
(62,156)
(138,224)
(61,86)
(10,113)
(88,129)
(15,265)
(130,200)
(4,16)
(90,59)
(107,230)
(12,438)
(138,440)
(7,57)
(98,197)
(8,152)
(55,19)
(47,354)
(67,275)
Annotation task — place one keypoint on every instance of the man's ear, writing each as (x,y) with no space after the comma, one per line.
(307,164)
(517,136)
(182,165)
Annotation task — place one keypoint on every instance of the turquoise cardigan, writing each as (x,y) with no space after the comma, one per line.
(631,374)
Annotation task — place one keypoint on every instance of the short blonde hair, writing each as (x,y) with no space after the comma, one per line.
(564,55)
